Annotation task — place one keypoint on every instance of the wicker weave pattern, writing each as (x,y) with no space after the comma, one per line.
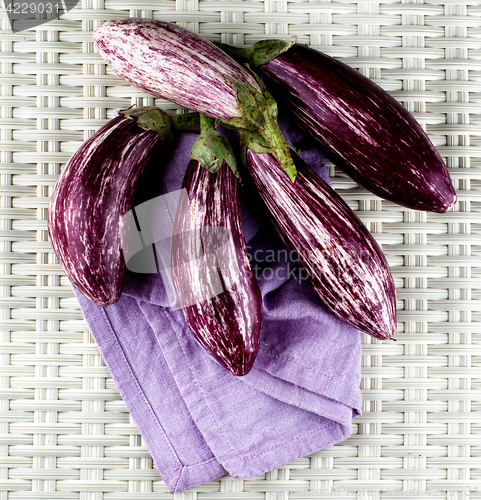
(65,432)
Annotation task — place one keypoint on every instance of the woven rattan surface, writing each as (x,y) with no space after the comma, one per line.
(65,433)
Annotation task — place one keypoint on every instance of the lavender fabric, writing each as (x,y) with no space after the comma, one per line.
(199,421)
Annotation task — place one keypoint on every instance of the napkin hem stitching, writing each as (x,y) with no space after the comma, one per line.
(296,438)
(174,456)
(340,436)
(182,483)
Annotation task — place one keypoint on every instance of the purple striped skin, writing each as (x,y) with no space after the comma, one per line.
(227,325)
(91,194)
(362,129)
(345,265)
(172,63)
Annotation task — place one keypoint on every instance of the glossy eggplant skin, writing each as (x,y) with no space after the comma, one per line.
(361,128)
(172,63)
(211,270)
(335,251)
(92,193)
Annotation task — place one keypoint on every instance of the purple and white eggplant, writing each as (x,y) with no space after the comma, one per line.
(211,271)
(173,63)
(344,264)
(361,128)
(92,193)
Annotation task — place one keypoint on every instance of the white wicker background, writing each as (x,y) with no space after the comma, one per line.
(65,433)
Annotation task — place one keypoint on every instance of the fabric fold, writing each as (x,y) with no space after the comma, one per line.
(199,421)
(252,421)
(139,370)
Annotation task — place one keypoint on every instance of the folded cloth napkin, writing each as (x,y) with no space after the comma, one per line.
(200,422)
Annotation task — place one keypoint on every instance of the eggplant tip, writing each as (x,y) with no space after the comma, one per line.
(102,301)
(239,371)
(447,207)
(451,205)
(239,368)
(384,332)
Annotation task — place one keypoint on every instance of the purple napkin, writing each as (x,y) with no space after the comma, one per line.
(199,421)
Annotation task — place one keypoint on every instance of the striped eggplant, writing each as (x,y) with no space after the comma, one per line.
(361,128)
(335,251)
(211,271)
(173,63)
(93,192)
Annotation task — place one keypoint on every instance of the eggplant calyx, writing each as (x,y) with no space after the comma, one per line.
(259,115)
(254,142)
(212,149)
(257,143)
(265,51)
(151,118)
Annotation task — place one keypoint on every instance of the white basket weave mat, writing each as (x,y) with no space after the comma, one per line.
(65,433)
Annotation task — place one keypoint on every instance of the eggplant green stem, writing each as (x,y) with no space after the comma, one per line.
(212,149)
(281,149)
(259,116)
(237,53)
(206,124)
(259,109)
(253,141)
(186,121)
(260,53)
(151,118)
